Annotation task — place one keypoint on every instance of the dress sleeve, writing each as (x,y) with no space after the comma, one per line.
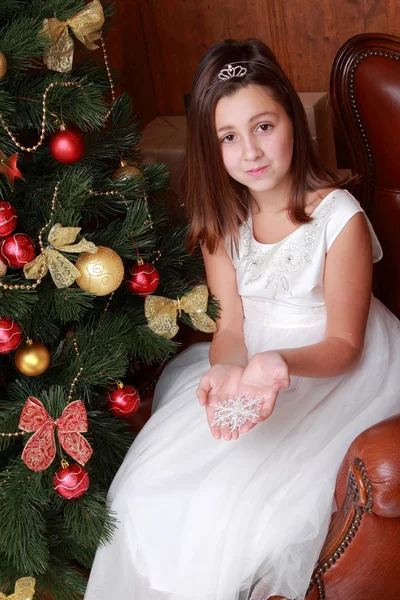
(345,207)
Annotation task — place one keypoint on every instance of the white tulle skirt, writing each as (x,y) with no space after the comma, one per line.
(201,519)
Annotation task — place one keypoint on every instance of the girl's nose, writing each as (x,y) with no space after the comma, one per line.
(251,150)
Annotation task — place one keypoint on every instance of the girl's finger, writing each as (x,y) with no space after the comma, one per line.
(215,431)
(280,384)
(202,396)
(235,434)
(226,433)
(246,427)
(267,407)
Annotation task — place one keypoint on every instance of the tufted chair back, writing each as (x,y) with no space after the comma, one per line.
(365,91)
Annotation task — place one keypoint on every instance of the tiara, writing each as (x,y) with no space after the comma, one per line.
(229,71)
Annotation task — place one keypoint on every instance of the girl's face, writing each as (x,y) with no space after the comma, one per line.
(256,138)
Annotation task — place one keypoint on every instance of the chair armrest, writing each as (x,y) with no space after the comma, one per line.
(368,482)
(378,449)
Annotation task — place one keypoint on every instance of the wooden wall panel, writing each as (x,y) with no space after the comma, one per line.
(393,17)
(315,36)
(127,49)
(182,30)
(158,44)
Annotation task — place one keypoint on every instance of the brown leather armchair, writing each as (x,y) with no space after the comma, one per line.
(360,559)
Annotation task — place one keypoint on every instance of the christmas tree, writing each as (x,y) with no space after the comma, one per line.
(84,243)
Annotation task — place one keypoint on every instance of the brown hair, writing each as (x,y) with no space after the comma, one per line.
(216,204)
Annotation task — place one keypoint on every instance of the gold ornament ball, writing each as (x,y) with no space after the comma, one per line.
(127,172)
(3,65)
(101,273)
(32,359)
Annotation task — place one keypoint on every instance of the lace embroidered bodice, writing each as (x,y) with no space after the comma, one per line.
(292,270)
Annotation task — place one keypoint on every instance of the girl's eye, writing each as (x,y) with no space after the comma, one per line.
(228,138)
(264,127)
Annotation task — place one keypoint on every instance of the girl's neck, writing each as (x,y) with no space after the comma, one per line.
(272,201)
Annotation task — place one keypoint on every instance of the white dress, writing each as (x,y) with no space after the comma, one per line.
(206,519)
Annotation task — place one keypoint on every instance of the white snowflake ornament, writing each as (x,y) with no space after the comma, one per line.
(235,412)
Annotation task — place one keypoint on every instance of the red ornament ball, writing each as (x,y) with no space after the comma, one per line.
(10,335)
(67,146)
(142,279)
(123,400)
(8,218)
(71,482)
(17,250)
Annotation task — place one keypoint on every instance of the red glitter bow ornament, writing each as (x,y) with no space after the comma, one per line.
(40,450)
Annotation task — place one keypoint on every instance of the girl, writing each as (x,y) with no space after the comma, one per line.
(289,256)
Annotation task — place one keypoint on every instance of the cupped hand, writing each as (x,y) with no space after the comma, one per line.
(265,376)
(219,384)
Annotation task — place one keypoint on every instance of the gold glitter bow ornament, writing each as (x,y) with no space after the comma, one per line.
(62,270)
(24,590)
(86,26)
(161,313)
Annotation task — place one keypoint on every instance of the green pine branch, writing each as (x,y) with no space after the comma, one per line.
(88,520)
(9,9)
(22,525)
(16,304)
(151,348)
(66,304)
(62,581)
(21,43)
(110,440)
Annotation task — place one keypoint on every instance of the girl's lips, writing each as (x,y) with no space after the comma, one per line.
(255,172)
